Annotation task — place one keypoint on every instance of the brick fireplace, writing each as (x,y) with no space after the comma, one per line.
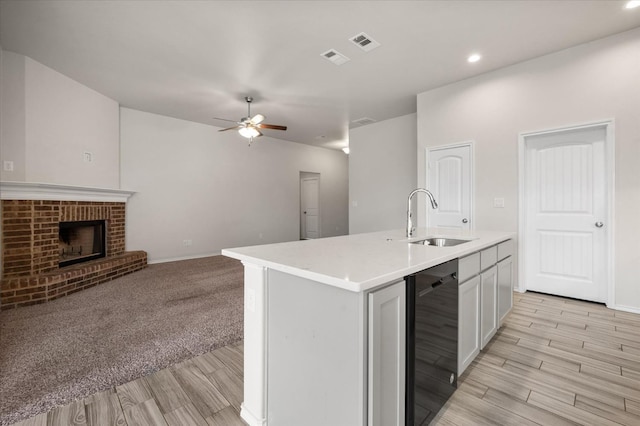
(31,246)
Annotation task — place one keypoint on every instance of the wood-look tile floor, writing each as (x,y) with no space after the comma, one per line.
(205,390)
(555,362)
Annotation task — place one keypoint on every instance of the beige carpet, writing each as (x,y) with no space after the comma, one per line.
(54,353)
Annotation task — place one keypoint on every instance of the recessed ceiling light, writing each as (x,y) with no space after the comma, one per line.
(474,58)
(632,4)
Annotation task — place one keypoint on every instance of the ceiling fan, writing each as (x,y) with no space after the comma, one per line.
(249,127)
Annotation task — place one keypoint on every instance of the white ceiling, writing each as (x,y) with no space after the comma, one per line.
(197,59)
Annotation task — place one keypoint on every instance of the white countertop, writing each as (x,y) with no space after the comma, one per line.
(361,262)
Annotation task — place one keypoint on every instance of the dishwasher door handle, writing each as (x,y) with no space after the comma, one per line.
(443,280)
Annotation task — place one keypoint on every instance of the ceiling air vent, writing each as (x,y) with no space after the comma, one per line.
(363,121)
(334,56)
(364,42)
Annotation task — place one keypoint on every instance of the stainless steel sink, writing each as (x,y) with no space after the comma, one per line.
(440,242)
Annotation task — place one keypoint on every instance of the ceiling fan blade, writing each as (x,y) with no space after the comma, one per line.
(224,119)
(229,128)
(257,119)
(271,126)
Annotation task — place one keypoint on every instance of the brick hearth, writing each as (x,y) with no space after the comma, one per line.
(30,272)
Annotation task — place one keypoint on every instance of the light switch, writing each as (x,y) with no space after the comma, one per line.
(87,156)
(8,166)
(498,203)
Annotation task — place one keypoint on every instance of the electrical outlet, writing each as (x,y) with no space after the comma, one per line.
(8,166)
(187,243)
(498,203)
(87,157)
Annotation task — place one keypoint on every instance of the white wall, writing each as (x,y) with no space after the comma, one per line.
(194,183)
(586,83)
(382,173)
(51,120)
(12,110)
(2,129)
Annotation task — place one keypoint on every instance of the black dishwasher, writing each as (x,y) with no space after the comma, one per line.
(432,341)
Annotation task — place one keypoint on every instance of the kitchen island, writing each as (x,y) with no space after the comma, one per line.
(310,330)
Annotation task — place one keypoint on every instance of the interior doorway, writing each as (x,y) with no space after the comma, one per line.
(309,205)
(450,180)
(566,193)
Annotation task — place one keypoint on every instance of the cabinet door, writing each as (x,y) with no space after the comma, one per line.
(505,288)
(469,323)
(488,305)
(386,375)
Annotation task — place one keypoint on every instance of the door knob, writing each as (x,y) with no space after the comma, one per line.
(305,212)
(599,224)
(465,220)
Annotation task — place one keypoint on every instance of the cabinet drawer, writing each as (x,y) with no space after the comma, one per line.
(505,249)
(488,257)
(468,267)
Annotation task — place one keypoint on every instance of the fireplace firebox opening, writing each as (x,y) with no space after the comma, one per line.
(81,241)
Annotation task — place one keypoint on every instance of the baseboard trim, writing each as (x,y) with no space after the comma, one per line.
(249,417)
(623,308)
(176,259)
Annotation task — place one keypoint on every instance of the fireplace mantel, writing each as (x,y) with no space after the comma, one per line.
(55,192)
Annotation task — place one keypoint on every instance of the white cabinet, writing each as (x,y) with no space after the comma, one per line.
(468,322)
(505,249)
(488,257)
(505,288)
(485,298)
(468,266)
(488,305)
(505,279)
(386,355)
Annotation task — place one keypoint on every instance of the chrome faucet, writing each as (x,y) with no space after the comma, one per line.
(410,227)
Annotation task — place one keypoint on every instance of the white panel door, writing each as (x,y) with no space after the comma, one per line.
(309,208)
(449,179)
(566,208)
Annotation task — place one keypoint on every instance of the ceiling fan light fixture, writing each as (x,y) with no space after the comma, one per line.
(249,127)
(249,132)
